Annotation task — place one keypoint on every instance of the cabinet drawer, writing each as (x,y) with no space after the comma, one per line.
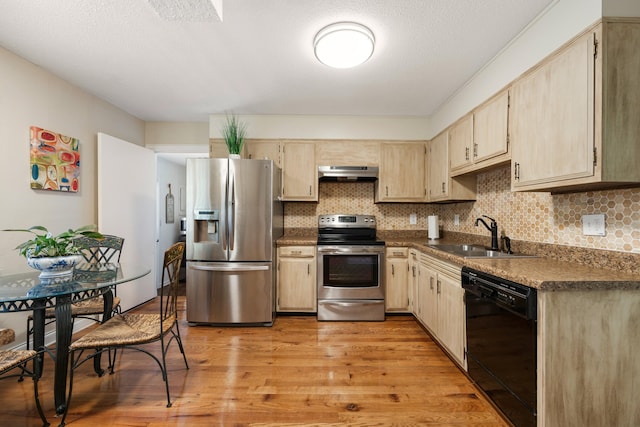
(397,252)
(297,251)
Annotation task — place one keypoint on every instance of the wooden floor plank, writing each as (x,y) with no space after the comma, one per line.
(298,372)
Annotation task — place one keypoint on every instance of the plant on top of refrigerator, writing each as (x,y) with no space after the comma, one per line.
(233,132)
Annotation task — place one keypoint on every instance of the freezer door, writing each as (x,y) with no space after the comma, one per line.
(250,210)
(207,239)
(227,293)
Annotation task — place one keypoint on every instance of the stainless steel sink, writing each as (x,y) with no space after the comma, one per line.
(474,251)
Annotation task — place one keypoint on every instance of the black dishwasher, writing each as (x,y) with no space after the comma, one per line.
(501,343)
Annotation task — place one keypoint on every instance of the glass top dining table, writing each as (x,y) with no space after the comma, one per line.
(28,292)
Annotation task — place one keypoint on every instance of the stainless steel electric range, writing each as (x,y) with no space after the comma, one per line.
(350,269)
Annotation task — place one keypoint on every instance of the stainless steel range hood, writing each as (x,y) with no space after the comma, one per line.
(347,173)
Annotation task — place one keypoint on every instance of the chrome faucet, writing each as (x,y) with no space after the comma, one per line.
(493,228)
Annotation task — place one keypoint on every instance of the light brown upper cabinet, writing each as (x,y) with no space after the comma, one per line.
(402,172)
(263,149)
(480,140)
(218,149)
(574,121)
(461,143)
(299,171)
(348,152)
(491,132)
(442,187)
(438,167)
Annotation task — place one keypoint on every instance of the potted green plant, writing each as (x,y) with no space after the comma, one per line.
(233,132)
(53,255)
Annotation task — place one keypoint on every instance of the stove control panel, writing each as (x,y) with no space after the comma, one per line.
(347,221)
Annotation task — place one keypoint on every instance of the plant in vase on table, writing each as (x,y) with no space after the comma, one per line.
(54,256)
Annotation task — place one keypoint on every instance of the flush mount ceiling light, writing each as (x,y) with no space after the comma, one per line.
(343,44)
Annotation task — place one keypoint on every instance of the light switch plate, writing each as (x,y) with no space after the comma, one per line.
(456,219)
(413,219)
(593,225)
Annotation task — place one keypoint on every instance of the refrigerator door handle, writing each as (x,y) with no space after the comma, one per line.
(230,267)
(223,230)
(232,210)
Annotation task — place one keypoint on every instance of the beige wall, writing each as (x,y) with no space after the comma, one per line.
(30,96)
(34,97)
(327,127)
(176,136)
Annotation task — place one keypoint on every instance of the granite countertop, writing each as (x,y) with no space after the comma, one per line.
(546,273)
(542,273)
(297,241)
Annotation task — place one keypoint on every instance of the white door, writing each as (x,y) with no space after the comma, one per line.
(127,208)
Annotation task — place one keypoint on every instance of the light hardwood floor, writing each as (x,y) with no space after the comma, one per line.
(298,372)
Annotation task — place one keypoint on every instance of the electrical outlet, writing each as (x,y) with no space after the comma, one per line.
(456,219)
(593,225)
(413,219)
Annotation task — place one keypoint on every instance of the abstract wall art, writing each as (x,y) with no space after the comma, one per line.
(55,161)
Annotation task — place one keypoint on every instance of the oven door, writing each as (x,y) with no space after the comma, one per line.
(350,272)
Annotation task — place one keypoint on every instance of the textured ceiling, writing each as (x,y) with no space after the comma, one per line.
(160,63)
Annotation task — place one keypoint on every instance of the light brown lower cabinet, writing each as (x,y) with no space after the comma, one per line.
(438,303)
(396,280)
(296,279)
(588,369)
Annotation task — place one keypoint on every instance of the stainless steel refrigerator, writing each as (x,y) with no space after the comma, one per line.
(234,217)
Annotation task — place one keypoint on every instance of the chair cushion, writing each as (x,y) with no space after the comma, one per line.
(83,308)
(7,336)
(91,306)
(12,358)
(124,329)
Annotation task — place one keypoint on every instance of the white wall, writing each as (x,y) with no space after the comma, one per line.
(169,173)
(30,96)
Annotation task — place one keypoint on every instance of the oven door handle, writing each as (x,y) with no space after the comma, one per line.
(352,303)
(349,250)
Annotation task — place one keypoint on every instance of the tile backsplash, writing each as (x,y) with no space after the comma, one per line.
(534,217)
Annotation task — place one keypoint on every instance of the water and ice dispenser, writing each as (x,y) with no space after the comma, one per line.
(206,225)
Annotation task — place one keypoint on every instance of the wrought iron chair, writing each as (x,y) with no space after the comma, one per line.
(17,360)
(99,251)
(132,330)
